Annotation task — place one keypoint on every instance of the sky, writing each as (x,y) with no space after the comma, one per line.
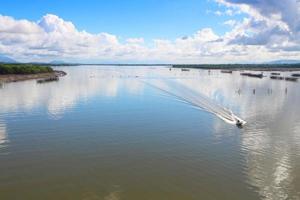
(150,31)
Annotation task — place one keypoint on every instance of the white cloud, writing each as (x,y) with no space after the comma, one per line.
(228,12)
(10,25)
(230,23)
(135,40)
(258,36)
(271,23)
(219,13)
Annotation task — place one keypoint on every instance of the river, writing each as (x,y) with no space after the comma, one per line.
(134,133)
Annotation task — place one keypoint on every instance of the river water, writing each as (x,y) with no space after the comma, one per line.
(142,133)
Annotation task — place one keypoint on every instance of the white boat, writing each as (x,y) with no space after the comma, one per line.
(239,122)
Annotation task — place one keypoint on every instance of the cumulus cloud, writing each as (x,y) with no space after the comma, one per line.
(263,36)
(230,23)
(272,23)
(135,40)
(287,11)
(228,12)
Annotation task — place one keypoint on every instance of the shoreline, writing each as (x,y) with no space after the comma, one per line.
(244,69)
(8,78)
(241,67)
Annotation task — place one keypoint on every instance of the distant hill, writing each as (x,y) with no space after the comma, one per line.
(57,62)
(284,62)
(5,59)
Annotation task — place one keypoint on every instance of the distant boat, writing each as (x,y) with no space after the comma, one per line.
(275,73)
(296,75)
(277,77)
(261,75)
(185,70)
(294,79)
(50,79)
(226,71)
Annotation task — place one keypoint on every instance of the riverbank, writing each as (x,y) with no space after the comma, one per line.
(13,72)
(240,67)
(6,78)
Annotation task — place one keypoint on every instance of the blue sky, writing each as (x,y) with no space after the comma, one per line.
(164,31)
(168,19)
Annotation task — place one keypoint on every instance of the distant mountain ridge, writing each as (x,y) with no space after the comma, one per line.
(5,59)
(284,62)
(56,62)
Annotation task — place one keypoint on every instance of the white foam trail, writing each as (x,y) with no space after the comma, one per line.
(183,93)
(194,98)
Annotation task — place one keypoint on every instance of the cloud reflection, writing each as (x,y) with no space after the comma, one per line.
(270,139)
(81,84)
(3,135)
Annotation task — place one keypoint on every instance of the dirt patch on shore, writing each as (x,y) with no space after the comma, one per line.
(23,77)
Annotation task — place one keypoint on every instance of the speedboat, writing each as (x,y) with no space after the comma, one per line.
(239,124)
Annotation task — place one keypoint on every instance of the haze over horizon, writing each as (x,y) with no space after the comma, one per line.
(150,31)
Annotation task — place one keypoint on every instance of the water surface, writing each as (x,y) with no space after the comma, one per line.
(107,133)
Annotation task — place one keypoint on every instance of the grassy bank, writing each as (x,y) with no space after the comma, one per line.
(23,69)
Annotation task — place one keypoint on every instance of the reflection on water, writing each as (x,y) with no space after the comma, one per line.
(106,134)
(60,96)
(3,136)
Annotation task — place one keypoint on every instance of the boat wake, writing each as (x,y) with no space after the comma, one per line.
(198,100)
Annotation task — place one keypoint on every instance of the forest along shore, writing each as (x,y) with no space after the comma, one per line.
(22,72)
(241,67)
